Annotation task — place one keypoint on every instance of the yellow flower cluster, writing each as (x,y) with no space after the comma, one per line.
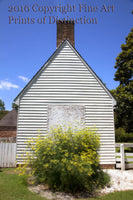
(64,151)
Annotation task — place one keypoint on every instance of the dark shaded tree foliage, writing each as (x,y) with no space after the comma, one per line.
(124,92)
(124,62)
(2,105)
(2,109)
(14,106)
(124,109)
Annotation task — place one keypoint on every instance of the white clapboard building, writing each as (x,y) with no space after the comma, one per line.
(66,89)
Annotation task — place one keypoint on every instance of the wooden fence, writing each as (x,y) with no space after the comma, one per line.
(7,154)
(124,160)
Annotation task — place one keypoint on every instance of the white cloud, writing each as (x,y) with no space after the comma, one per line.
(25,79)
(7,85)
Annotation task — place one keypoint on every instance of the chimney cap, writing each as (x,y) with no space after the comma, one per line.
(65,22)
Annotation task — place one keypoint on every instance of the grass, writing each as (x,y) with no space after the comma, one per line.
(126,149)
(14,187)
(123,195)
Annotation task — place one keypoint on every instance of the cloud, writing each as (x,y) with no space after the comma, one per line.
(7,85)
(25,79)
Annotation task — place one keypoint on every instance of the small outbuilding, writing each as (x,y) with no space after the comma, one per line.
(66,89)
(8,126)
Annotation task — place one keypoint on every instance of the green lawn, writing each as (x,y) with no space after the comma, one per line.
(123,195)
(14,187)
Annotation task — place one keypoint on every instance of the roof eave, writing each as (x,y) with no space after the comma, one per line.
(17,99)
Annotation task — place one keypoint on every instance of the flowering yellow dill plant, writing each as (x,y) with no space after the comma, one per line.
(67,159)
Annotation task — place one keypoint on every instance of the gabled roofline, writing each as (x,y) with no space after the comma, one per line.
(96,76)
(10,119)
(51,58)
(39,71)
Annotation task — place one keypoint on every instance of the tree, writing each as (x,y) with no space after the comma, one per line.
(124,92)
(2,105)
(124,62)
(14,106)
(2,109)
(124,109)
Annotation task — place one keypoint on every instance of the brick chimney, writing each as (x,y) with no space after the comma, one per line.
(65,30)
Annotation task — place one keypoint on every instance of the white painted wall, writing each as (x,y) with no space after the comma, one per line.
(66,80)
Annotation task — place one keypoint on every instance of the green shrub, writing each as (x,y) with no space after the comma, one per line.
(68,160)
(122,136)
(103,179)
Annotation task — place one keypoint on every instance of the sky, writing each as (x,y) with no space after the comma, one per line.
(28,37)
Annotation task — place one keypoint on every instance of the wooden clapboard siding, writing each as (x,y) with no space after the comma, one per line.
(66,79)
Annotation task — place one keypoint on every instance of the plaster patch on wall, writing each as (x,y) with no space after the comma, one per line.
(66,114)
